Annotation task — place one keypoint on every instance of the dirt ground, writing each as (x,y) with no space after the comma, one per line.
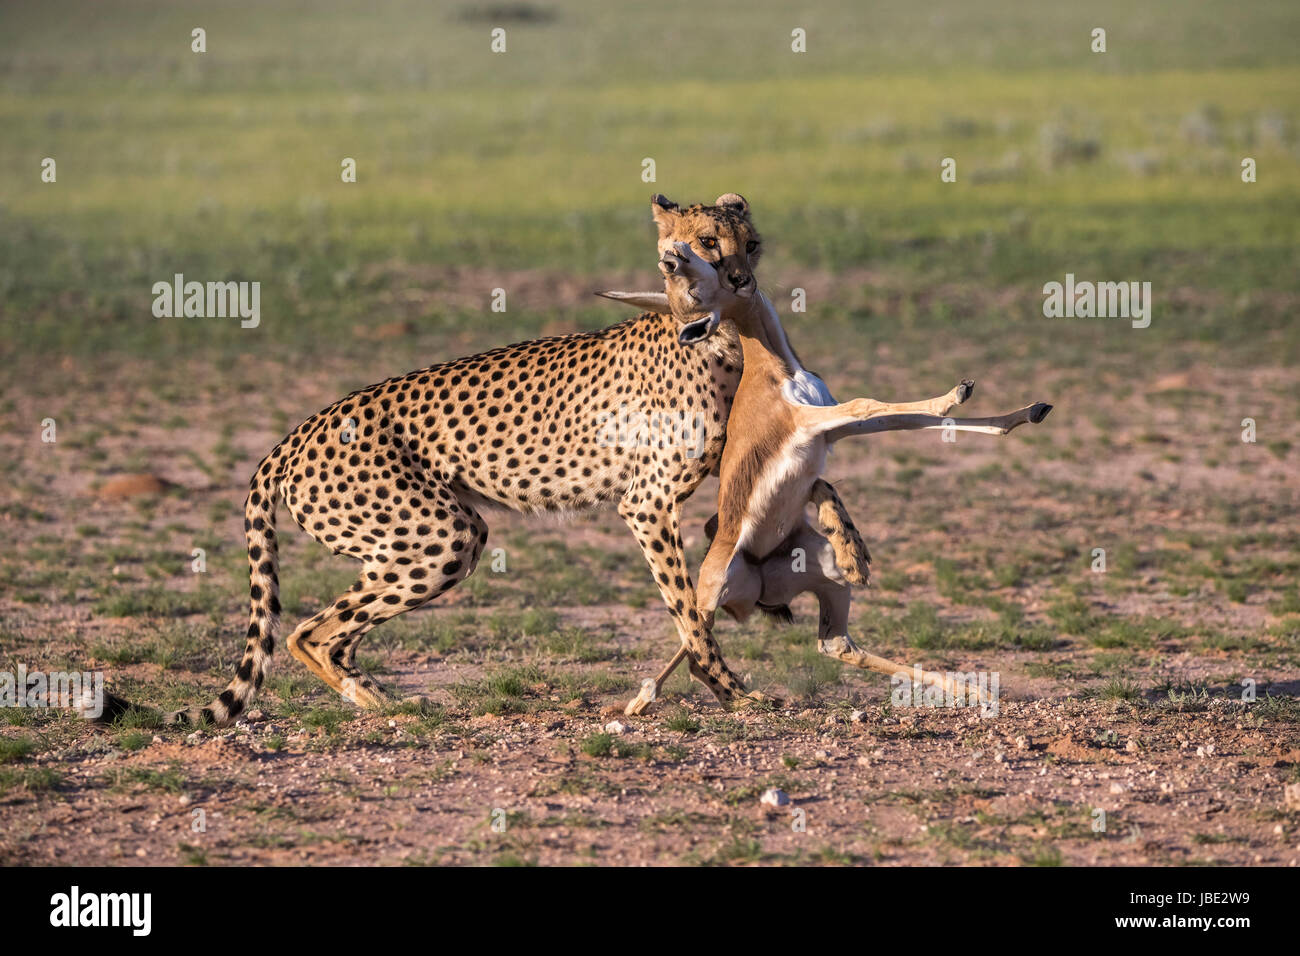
(1147,713)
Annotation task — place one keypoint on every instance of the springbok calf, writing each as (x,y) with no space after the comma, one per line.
(781,425)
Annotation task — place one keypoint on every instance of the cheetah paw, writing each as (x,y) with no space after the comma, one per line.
(756,700)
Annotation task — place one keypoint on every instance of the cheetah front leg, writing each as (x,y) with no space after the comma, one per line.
(658,532)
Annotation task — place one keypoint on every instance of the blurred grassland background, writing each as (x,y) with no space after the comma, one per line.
(225,165)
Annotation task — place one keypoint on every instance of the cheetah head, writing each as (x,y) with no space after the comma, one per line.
(721,234)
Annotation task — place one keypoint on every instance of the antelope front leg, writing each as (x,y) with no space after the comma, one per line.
(825,418)
(995,425)
(650,688)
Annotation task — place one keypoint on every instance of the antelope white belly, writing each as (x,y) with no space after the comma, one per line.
(776,507)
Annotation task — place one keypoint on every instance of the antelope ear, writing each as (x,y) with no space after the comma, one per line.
(735,202)
(665,213)
(650,301)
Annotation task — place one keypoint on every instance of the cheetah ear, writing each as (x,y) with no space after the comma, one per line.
(650,301)
(665,213)
(735,202)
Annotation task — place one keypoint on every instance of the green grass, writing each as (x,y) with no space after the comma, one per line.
(507,691)
(28,779)
(226,164)
(13,749)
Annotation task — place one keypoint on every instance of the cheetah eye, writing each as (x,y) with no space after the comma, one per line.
(708,242)
(751,245)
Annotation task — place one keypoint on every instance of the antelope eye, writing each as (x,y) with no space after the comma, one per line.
(708,242)
(751,245)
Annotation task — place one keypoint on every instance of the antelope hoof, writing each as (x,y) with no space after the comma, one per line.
(964,390)
(1039,412)
(639,703)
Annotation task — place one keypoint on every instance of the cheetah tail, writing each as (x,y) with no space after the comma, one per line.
(264,610)
(851,555)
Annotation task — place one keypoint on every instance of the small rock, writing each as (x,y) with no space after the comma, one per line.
(773,797)
(1131,746)
(1292,796)
(616,727)
(1116,788)
(857,716)
(142,852)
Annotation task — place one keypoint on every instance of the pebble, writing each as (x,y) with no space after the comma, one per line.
(773,797)
(616,727)
(857,716)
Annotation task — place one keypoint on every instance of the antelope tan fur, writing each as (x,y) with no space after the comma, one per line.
(781,425)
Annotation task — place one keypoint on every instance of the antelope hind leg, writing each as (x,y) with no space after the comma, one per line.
(843,649)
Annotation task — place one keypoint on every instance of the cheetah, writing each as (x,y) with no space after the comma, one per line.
(398,475)
(782,424)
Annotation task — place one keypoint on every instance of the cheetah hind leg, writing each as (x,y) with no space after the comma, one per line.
(327,643)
